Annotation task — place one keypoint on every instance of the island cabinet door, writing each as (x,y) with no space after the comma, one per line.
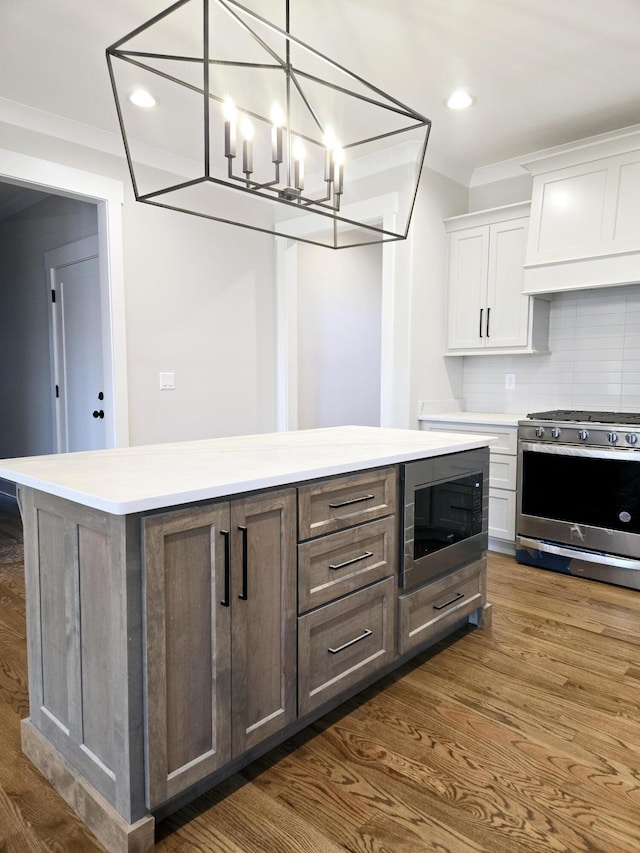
(264,616)
(187,655)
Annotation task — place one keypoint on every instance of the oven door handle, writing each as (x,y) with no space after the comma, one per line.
(578,554)
(582,452)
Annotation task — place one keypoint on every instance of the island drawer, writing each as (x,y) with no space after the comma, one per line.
(344,642)
(436,606)
(341,502)
(344,562)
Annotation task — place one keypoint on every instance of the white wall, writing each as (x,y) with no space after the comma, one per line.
(200,301)
(26,417)
(594,363)
(432,377)
(339,336)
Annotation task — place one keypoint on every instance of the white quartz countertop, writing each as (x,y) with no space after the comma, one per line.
(488,418)
(135,479)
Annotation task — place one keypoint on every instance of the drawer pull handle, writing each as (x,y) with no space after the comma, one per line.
(351,562)
(244,595)
(456,597)
(227,568)
(366,633)
(352,501)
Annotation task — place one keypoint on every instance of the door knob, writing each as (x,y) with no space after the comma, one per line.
(98,414)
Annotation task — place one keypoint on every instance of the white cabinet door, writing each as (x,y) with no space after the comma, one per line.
(508,310)
(486,309)
(468,265)
(502,514)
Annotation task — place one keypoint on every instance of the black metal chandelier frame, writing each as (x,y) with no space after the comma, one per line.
(291,192)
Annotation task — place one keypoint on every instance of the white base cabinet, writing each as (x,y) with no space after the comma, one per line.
(486,310)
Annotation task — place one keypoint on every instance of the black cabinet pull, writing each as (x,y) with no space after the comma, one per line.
(351,562)
(480,325)
(227,568)
(352,501)
(245,564)
(98,414)
(488,316)
(366,633)
(456,597)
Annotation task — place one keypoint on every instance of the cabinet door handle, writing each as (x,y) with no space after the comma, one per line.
(366,633)
(352,501)
(351,562)
(480,324)
(456,597)
(488,315)
(245,564)
(227,568)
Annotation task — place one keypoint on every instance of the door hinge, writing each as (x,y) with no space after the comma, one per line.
(57,391)
(53,296)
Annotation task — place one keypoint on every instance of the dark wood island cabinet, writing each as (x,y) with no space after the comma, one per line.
(176,633)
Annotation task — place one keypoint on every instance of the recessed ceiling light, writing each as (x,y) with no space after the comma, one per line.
(460,100)
(142,98)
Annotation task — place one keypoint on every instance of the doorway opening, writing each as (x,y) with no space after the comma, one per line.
(44,207)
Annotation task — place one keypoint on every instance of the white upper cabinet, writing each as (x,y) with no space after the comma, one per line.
(486,310)
(585,217)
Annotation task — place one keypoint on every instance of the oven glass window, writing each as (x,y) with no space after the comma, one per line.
(584,490)
(446,513)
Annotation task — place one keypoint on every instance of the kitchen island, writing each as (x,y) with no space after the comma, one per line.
(191,605)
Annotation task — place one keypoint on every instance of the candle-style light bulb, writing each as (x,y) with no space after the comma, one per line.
(330,143)
(277,120)
(298,164)
(246,129)
(230,114)
(338,170)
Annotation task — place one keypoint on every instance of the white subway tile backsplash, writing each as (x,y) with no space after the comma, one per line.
(594,339)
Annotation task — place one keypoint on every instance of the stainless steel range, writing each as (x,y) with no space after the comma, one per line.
(579,494)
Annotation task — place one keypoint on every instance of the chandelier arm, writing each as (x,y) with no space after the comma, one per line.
(145,54)
(292,75)
(406,111)
(255,36)
(148,199)
(269,25)
(162,74)
(182,186)
(150,23)
(392,236)
(206,104)
(123,132)
(387,134)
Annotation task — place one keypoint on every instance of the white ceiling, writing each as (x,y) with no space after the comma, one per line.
(544,72)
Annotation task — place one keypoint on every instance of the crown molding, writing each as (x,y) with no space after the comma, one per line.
(516,167)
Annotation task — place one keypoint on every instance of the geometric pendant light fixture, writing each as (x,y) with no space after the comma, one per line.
(227,116)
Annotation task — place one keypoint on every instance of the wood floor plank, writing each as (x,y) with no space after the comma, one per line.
(521,738)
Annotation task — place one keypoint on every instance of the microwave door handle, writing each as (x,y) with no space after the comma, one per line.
(575,554)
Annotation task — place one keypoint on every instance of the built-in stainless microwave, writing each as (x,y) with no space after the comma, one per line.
(445,514)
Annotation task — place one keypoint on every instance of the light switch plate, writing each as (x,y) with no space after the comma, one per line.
(167,381)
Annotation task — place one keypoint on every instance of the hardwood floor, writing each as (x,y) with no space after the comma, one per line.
(522,737)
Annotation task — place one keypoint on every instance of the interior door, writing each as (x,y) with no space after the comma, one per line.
(78,356)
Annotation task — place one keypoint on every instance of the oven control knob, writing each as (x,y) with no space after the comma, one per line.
(583,435)
(612,437)
(632,438)
(539,432)
(555,433)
